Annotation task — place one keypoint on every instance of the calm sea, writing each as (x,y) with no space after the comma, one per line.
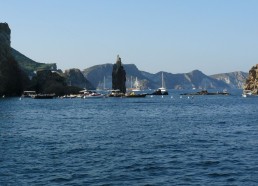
(204,140)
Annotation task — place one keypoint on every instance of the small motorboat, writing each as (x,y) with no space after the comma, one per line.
(93,95)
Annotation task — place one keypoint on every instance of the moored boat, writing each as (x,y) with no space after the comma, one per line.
(43,96)
(116,93)
(28,94)
(93,95)
(247,93)
(162,90)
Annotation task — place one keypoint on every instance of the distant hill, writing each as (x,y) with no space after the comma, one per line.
(29,66)
(233,79)
(195,79)
(96,75)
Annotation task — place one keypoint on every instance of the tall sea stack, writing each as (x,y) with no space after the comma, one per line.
(118,76)
(12,79)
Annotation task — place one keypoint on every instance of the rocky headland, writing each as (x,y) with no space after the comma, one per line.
(252,80)
(19,73)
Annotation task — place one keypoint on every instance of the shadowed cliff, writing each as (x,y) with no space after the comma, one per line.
(12,78)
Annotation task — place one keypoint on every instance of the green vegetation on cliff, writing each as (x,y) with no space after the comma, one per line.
(28,65)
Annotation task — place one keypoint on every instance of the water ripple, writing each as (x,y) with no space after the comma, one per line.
(152,141)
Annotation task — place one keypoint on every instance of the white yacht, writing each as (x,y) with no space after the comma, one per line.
(136,85)
(162,89)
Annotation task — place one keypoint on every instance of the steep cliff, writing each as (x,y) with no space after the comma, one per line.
(252,80)
(12,79)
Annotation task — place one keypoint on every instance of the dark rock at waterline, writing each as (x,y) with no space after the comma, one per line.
(159,93)
(205,92)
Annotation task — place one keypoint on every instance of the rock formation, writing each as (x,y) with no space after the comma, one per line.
(48,82)
(194,79)
(12,79)
(118,76)
(75,77)
(252,80)
(97,73)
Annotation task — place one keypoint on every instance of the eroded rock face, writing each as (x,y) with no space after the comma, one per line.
(12,79)
(48,82)
(76,78)
(252,80)
(118,76)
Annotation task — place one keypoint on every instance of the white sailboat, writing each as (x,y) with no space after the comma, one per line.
(162,89)
(136,85)
(104,83)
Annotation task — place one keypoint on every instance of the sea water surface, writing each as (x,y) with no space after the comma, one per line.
(204,140)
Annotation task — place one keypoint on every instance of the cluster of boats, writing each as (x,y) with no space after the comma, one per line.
(82,94)
(86,94)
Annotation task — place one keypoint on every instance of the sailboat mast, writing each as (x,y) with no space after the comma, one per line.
(104,83)
(131,81)
(162,80)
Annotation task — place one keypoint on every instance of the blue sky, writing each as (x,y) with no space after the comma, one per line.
(177,36)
